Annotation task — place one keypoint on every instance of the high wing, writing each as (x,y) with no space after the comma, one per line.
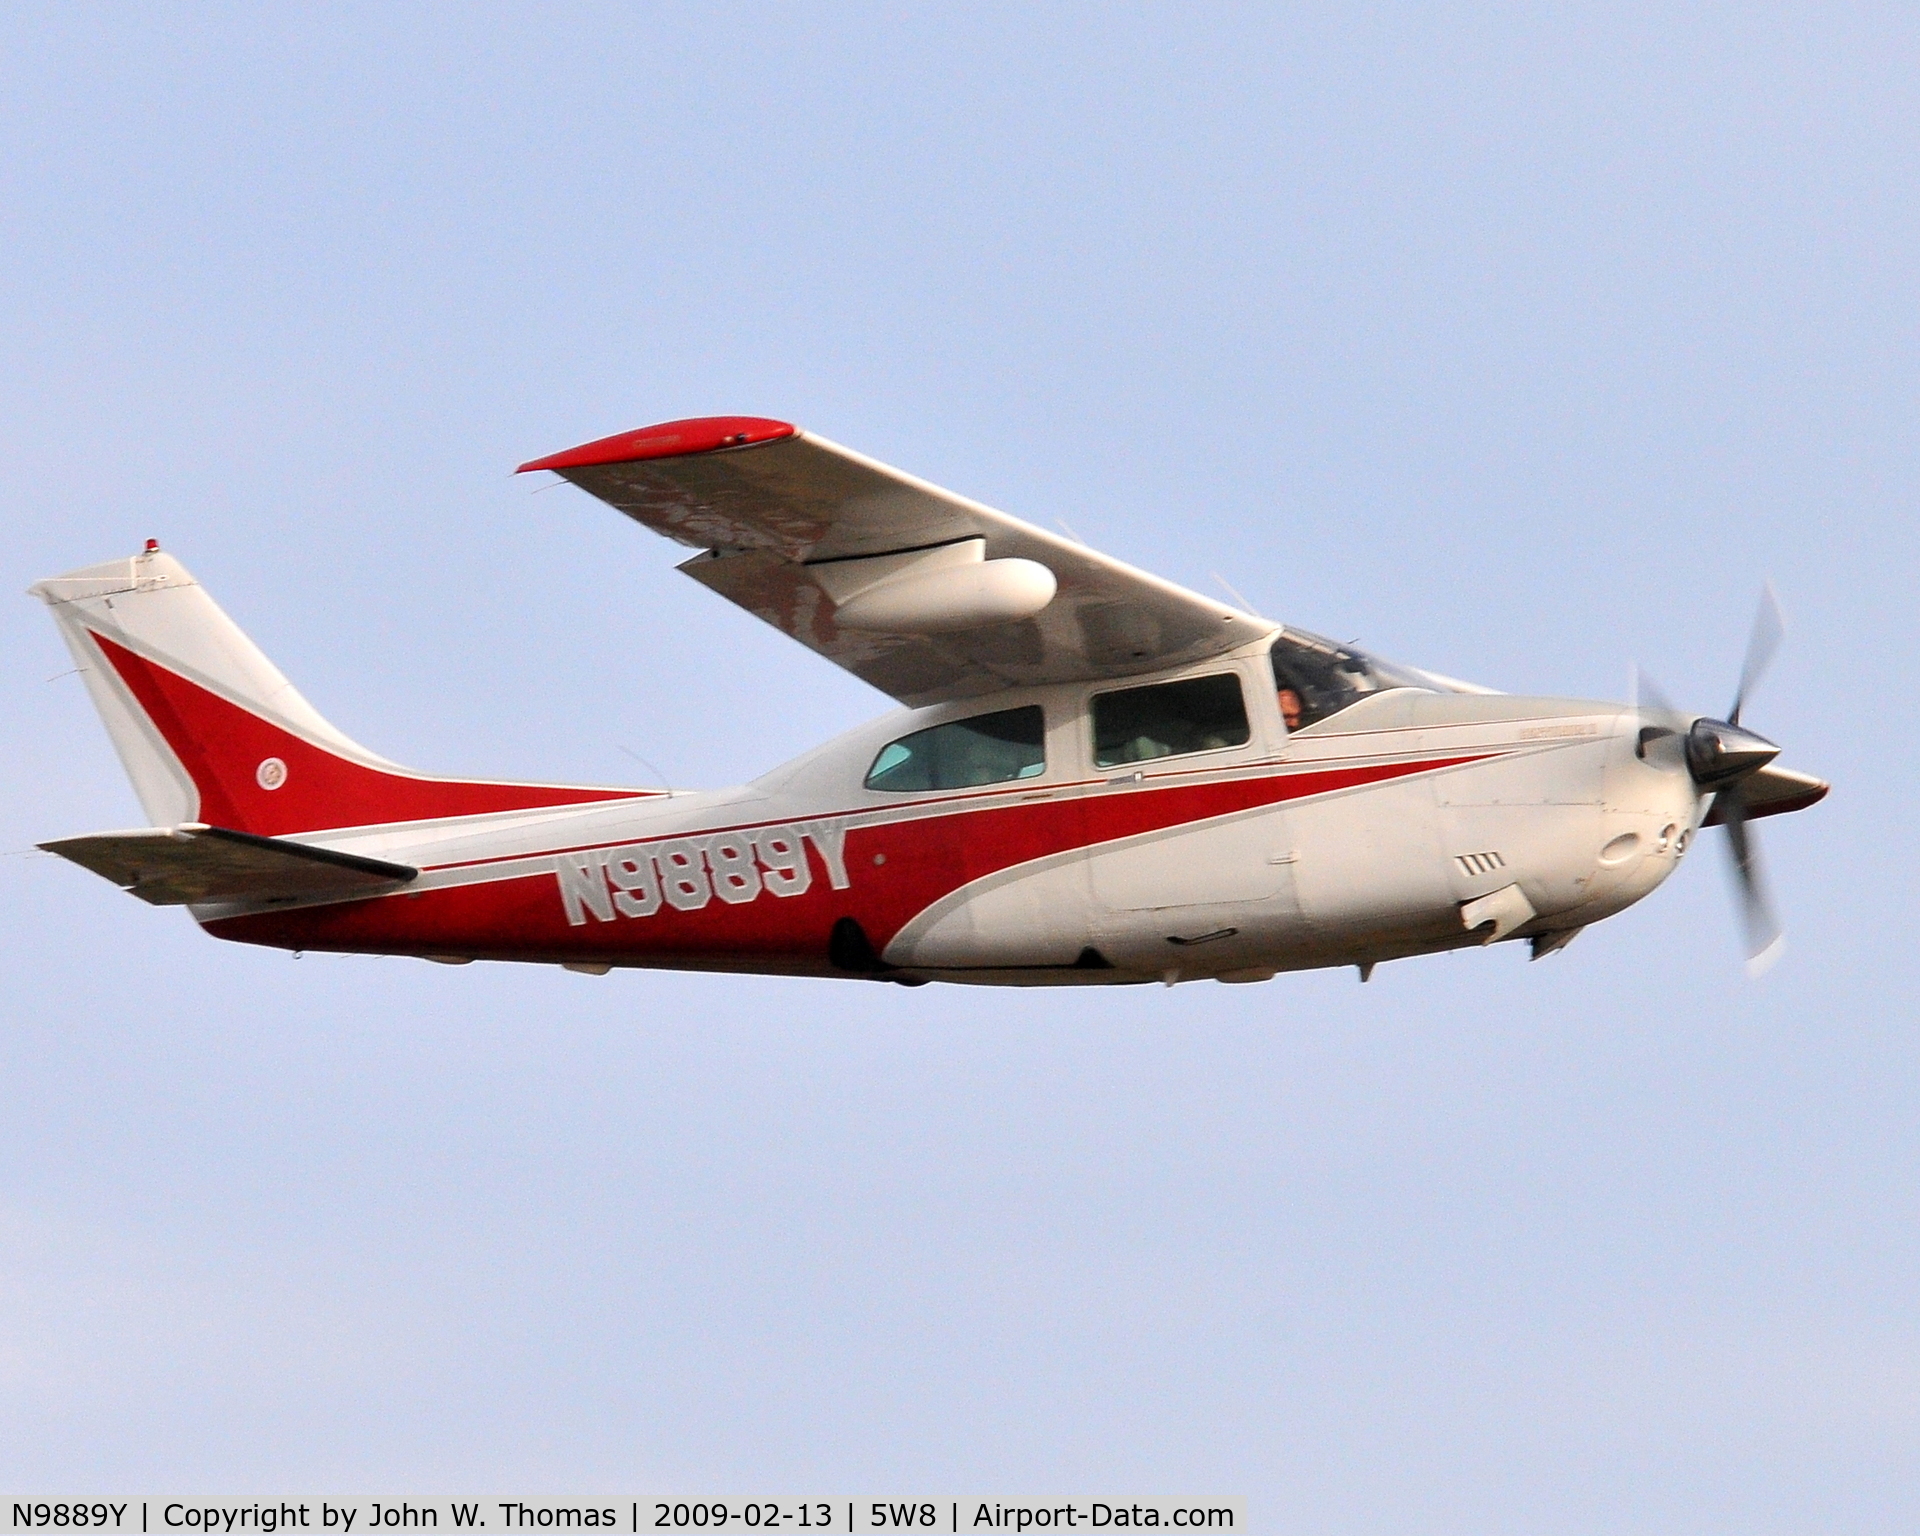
(176,866)
(794,529)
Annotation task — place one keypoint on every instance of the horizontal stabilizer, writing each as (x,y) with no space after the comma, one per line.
(174,866)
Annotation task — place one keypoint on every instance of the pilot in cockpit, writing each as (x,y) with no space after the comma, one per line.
(1315,678)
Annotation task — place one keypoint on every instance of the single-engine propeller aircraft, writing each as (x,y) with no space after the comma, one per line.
(1095,776)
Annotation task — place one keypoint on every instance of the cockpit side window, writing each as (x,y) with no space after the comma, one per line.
(1316,678)
(1200,714)
(962,754)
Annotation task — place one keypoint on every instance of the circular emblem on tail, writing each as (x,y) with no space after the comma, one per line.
(272,773)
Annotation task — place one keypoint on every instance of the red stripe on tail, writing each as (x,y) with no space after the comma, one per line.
(255,777)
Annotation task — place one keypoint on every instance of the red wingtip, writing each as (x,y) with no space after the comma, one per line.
(669,440)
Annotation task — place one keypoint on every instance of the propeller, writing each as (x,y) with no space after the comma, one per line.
(1765,940)
(1769,629)
(1720,756)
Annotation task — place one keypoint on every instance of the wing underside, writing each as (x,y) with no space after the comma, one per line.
(777,513)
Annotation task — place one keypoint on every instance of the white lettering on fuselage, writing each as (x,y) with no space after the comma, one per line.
(686,873)
(1563,728)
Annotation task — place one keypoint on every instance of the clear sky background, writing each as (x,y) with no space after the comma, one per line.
(1519,343)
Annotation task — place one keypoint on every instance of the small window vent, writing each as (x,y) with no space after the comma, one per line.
(1479,863)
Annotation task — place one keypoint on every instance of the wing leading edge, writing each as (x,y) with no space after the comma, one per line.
(783,520)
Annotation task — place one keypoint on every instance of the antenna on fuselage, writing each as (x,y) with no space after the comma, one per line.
(647,765)
(1234,592)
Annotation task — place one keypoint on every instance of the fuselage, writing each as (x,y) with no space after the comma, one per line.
(1409,821)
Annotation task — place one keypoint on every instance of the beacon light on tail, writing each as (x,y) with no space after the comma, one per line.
(1094,776)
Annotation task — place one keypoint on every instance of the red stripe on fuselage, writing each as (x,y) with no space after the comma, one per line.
(922,859)
(222,746)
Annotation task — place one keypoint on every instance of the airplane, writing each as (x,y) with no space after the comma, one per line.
(1094,777)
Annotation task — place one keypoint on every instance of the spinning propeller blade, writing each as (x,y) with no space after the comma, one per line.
(1720,755)
(1648,698)
(1765,940)
(1769,628)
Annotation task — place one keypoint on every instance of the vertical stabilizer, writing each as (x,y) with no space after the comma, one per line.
(211,731)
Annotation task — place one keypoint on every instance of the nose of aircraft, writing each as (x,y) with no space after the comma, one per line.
(1718,753)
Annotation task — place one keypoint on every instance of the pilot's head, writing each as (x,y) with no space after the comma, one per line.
(1290,708)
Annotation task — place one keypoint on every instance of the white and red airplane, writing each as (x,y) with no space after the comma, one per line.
(1096,777)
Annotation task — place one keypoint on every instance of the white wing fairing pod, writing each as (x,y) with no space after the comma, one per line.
(945,602)
(934,591)
(922,593)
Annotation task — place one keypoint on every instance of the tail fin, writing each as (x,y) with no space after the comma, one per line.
(211,732)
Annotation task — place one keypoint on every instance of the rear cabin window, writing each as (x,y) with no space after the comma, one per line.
(1135,725)
(988,749)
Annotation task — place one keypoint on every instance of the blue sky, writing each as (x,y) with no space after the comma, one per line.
(1519,344)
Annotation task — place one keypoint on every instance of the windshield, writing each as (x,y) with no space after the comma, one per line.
(1316,678)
